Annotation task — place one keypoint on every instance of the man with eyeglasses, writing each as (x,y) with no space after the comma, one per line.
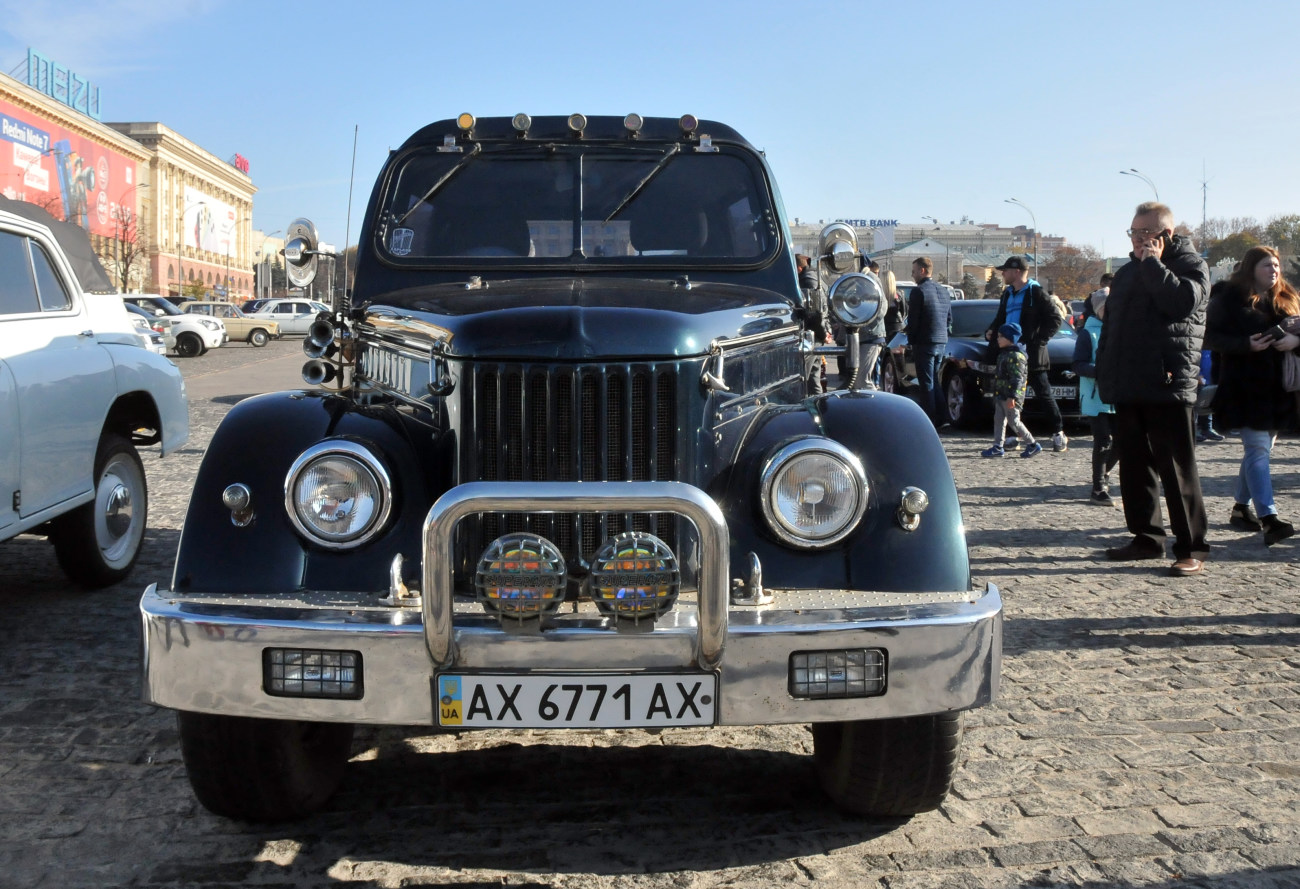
(1148,367)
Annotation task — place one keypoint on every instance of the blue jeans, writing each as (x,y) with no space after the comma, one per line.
(1253,481)
(928,357)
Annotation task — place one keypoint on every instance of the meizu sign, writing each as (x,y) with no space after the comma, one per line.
(62,84)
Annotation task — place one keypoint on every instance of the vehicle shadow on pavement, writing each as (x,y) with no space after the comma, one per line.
(498,807)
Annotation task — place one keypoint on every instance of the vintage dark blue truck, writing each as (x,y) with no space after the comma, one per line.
(559,468)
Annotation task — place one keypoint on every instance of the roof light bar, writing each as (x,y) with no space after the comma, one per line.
(633,123)
(577,123)
(688,123)
(465,121)
(521,122)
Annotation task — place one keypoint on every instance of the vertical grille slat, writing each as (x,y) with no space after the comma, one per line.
(540,422)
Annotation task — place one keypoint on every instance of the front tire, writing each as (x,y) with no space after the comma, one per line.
(961,398)
(259,337)
(263,769)
(98,542)
(188,345)
(888,767)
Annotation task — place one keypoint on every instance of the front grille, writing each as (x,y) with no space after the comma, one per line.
(553,422)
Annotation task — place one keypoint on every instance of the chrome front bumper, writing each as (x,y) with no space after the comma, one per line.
(204,653)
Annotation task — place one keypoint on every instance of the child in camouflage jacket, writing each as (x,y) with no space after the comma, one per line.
(1009,394)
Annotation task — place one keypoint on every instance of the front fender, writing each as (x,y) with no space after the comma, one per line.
(256,444)
(898,448)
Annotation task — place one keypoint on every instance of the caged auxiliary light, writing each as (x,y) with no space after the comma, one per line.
(634,576)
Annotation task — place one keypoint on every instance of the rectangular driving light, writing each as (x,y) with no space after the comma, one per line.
(312,673)
(839,673)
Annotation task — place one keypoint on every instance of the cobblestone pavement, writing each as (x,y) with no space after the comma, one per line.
(1148,734)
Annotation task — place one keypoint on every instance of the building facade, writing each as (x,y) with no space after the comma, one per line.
(160,211)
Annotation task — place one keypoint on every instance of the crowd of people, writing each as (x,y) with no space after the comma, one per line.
(1160,357)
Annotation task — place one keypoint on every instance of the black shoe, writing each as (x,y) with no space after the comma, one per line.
(1242,517)
(1101,498)
(1132,552)
(1275,529)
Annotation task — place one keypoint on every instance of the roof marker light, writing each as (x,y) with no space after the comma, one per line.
(578,123)
(633,123)
(465,121)
(688,123)
(521,122)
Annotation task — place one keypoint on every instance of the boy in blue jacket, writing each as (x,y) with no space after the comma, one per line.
(1009,386)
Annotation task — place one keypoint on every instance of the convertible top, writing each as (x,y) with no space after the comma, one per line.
(74,241)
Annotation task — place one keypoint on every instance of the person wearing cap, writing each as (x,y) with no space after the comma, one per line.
(929,314)
(1009,394)
(1148,366)
(1090,403)
(1024,302)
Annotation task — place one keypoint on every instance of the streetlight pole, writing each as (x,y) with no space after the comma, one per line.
(1034,218)
(261,257)
(1144,177)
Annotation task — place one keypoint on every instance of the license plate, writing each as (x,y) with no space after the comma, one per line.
(1057,392)
(575,700)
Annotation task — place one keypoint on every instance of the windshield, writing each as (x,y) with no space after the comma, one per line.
(972,319)
(576,203)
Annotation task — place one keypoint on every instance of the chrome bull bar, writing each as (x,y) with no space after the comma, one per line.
(479,497)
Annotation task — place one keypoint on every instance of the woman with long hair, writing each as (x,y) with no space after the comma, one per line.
(1241,325)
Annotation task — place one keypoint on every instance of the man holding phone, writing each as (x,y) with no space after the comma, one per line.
(1148,366)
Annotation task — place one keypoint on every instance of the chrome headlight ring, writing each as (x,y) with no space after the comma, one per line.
(338,494)
(813,491)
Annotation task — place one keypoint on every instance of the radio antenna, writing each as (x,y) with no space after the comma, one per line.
(347,228)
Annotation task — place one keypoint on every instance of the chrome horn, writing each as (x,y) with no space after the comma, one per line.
(320,339)
(317,372)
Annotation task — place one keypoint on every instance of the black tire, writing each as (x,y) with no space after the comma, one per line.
(263,769)
(188,345)
(888,767)
(98,542)
(259,337)
(961,398)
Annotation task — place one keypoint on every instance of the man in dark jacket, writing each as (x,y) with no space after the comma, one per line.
(1148,365)
(1024,302)
(928,316)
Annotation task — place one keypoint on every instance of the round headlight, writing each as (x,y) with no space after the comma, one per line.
(634,575)
(520,576)
(814,492)
(857,299)
(338,494)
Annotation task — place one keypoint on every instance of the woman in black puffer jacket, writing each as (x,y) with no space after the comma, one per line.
(1250,396)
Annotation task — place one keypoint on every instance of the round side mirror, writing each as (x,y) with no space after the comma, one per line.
(838,245)
(857,299)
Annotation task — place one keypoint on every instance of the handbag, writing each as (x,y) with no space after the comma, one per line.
(1291,371)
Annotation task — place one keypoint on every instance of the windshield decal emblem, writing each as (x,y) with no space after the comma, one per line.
(399,242)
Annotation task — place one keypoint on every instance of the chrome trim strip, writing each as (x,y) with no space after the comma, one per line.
(566,497)
(726,344)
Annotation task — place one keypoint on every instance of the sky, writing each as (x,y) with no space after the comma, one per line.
(865,110)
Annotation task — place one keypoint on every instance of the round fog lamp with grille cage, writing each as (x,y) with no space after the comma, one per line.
(634,576)
(520,576)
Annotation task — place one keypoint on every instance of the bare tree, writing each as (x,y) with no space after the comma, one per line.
(130,251)
(1074,271)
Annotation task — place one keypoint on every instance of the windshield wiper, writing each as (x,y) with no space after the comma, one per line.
(443,180)
(640,186)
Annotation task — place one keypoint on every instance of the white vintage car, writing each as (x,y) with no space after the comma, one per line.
(78,396)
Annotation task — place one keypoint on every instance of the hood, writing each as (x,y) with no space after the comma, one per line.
(581,319)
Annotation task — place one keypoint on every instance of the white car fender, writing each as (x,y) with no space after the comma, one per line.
(139,370)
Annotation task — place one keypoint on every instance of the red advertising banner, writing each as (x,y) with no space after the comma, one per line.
(65,173)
